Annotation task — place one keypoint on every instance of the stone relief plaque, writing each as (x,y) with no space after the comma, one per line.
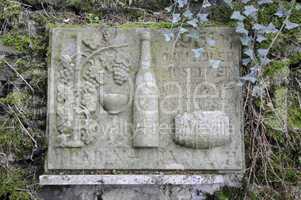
(127,99)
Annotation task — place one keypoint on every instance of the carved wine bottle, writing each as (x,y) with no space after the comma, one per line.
(146,100)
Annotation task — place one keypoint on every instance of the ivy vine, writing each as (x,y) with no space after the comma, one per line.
(245,15)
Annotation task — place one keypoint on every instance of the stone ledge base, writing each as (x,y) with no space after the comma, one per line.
(229,180)
(133,187)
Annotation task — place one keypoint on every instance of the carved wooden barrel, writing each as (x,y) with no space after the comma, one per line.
(202,129)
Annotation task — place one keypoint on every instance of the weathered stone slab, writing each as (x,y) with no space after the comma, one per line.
(128,180)
(144,192)
(93,97)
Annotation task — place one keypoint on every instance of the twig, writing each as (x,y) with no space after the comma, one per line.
(247,96)
(44,10)
(282,26)
(21,3)
(23,127)
(11,67)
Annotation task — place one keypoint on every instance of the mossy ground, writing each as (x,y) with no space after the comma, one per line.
(273,154)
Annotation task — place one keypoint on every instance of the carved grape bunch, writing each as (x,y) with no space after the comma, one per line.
(120,73)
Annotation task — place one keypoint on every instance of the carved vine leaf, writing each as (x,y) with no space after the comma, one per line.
(94,73)
(89,46)
(96,62)
(66,71)
(88,134)
(110,61)
(64,95)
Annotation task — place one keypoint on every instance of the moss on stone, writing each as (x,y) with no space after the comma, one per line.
(294,116)
(277,68)
(15,142)
(295,58)
(276,117)
(14,98)
(19,42)
(25,44)
(150,25)
(92,18)
(12,185)
(133,25)
(9,12)
(60,25)
(266,12)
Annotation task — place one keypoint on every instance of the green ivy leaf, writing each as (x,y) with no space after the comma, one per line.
(188,14)
(290,25)
(193,22)
(198,52)
(237,16)
(176,18)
